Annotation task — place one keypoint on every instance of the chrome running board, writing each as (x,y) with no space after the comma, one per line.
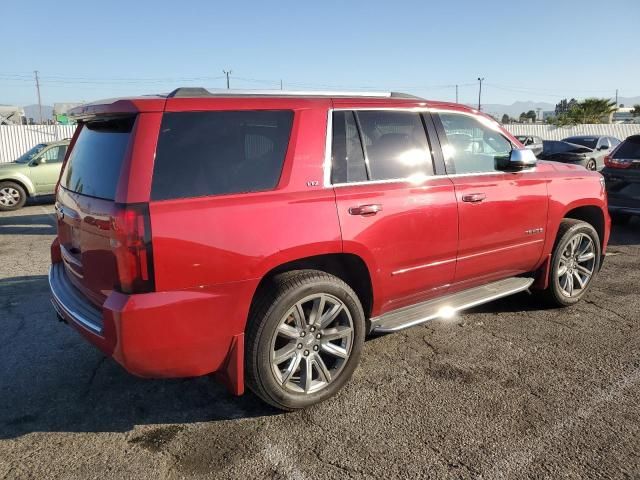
(448,305)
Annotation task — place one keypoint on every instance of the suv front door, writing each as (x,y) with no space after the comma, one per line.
(502,215)
(394,212)
(44,169)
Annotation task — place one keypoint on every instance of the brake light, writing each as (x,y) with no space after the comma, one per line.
(611,162)
(132,248)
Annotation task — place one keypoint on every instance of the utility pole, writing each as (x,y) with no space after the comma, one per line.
(39,100)
(457,94)
(280,84)
(227,73)
(616,98)
(480,79)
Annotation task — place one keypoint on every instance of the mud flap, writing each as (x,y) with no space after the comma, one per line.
(232,374)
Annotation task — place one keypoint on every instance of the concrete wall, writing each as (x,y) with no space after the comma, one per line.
(551,132)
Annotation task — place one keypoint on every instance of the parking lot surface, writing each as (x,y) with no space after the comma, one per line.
(507,390)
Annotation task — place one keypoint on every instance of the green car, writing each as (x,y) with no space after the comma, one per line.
(33,174)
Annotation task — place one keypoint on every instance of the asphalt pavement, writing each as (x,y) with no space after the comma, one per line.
(508,390)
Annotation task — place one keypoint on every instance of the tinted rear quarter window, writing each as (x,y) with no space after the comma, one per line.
(216,153)
(95,162)
(630,148)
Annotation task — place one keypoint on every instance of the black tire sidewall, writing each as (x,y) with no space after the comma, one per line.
(554,281)
(591,161)
(21,191)
(278,395)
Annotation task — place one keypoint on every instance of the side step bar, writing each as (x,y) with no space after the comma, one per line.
(448,305)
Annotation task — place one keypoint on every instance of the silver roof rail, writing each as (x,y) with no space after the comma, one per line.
(199,92)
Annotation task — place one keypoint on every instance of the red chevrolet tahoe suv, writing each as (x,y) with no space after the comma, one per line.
(262,236)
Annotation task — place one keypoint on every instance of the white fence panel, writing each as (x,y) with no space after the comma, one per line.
(17,139)
(551,132)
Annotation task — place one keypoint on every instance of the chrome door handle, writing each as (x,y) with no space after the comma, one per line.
(473,197)
(365,210)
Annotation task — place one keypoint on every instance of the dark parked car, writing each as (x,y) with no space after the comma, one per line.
(622,176)
(532,143)
(565,152)
(600,146)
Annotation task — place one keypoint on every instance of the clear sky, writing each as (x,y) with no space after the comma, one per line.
(534,50)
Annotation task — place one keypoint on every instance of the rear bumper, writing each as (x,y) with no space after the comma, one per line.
(163,334)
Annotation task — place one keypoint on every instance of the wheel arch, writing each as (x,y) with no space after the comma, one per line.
(350,268)
(593,215)
(23,181)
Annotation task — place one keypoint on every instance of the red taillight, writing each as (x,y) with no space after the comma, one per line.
(132,248)
(611,162)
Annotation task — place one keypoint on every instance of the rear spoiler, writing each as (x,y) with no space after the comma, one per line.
(117,106)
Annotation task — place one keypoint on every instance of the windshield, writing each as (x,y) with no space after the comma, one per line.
(26,157)
(589,142)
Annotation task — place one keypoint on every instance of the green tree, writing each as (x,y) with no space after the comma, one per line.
(636,111)
(594,110)
(590,110)
(531,115)
(507,119)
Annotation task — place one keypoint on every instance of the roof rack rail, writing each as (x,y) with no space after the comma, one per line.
(199,92)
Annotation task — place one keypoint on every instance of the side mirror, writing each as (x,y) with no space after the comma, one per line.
(35,162)
(603,147)
(520,158)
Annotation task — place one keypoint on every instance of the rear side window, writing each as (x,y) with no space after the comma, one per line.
(395,144)
(94,164)
(630,149)
(215,153)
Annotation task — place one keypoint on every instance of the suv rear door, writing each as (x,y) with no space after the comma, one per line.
(394,211)
(502,215)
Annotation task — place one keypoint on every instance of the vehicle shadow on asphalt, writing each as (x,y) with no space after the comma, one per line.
(628,234)
(52,380)
(38,224)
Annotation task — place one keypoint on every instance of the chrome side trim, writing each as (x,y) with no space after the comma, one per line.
(420,267)
(501,249)
(70,304)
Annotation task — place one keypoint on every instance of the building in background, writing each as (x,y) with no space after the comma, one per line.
(60,111)
(12,115)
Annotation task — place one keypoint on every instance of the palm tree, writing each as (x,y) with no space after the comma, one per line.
(593,110)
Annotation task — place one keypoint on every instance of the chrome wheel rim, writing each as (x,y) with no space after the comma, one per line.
(312,344)
(591,165)
(576,266)
(9,196)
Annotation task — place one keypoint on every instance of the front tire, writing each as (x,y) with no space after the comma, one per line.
(304,339)
(574,263)
(12,196)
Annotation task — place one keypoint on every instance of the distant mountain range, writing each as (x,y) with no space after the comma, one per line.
(495,109)
(516,108)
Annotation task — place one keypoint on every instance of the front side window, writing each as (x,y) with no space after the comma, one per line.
(54,154)
(220,152)
(472,146)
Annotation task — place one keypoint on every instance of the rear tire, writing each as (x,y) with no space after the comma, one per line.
(574,263)
(12,196)
(591,165)
(304,338)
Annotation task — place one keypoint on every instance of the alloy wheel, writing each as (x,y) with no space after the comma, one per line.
(577,264)
(312,343)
